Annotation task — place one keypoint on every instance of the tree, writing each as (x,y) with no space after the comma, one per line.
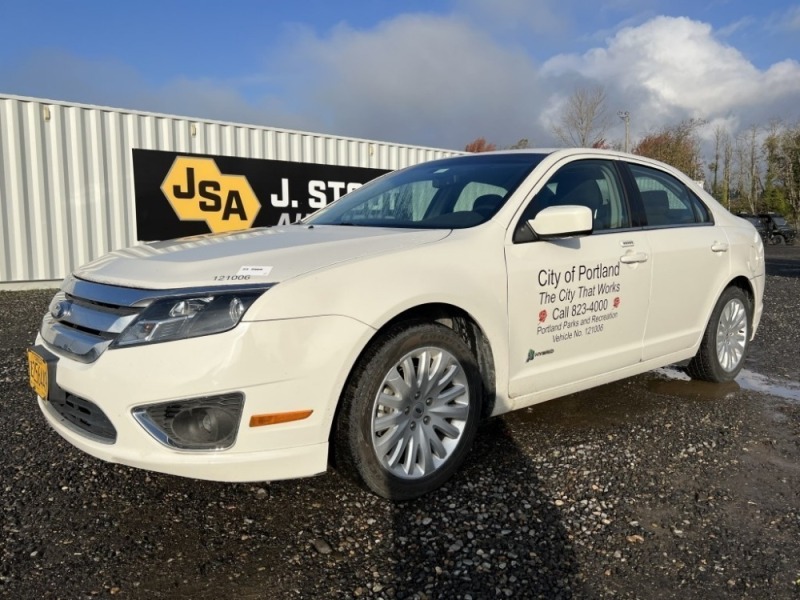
(522,143)
(727,169)
(584,120)
(480,145)
(676,145)
(790,168)
(740,197)
(782,179)
(773,193)
(747,172)
(721,137)
(752,164)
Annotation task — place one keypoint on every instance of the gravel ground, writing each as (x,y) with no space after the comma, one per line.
(653,487)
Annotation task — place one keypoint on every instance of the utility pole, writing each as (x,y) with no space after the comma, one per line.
(626,116)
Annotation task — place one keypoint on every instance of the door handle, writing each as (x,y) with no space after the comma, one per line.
(635,257)
(719,247)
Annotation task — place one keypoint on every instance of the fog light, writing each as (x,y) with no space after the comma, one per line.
(209,423)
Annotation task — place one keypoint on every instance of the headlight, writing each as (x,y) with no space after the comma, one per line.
(177,318)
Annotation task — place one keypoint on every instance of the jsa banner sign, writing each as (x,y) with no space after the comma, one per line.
(189,194)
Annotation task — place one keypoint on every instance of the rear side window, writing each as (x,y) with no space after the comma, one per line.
(667,201)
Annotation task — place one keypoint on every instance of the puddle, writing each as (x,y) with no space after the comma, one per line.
(759,383)
(675,381)
(611,404)
(620,401)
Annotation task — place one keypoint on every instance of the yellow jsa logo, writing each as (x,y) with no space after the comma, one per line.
(198,191)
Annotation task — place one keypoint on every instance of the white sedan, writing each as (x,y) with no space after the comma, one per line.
(382,329)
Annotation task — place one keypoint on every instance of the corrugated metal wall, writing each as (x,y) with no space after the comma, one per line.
(66,174)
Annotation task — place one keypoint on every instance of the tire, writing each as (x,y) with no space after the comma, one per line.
(726,340)
(779,240)
(404,428)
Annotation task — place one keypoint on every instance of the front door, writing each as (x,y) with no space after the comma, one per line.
(577,306)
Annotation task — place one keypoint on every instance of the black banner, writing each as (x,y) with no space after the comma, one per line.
(189,194)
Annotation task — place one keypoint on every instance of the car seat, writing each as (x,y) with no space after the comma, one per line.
(487,205)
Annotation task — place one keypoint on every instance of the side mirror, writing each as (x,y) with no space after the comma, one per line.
(562,221)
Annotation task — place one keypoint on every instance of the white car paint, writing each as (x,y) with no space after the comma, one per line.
(337,286)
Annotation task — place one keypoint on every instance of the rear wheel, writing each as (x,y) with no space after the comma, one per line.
(726,339)
(410,411)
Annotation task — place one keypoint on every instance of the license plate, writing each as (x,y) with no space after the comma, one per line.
(37,374)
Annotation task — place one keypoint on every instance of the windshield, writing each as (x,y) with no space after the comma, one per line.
(779,221)
(452,193)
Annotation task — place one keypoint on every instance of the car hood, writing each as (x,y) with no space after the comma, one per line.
(266,255)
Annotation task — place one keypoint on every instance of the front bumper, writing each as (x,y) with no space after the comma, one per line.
(279,366)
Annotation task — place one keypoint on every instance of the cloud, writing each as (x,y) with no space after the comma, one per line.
(543,17)
(59,75)
(789,21)
(736,27)
(55,74)
(417,79)
(672,68)
(443,80)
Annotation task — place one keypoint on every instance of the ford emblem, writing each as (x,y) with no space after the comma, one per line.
(61,310)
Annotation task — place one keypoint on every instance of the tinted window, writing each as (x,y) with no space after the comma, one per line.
(666,201)
(444,194)
(591,183)
(779,221)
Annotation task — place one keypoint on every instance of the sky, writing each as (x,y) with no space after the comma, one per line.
(409,71)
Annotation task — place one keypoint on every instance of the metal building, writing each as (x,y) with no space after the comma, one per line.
(66,174)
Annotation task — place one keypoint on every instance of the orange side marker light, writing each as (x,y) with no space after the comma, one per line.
(275,418)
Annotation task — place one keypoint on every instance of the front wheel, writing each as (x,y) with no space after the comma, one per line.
(726,339)
(410,411)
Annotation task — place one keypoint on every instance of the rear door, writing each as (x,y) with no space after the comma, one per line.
(690,261)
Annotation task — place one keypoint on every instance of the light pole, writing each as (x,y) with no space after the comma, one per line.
(626,116)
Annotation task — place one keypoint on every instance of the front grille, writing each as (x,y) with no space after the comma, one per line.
(86,417)
(85,318)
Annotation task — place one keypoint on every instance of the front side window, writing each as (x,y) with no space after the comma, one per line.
(666,200)
(592,183)
(444,194)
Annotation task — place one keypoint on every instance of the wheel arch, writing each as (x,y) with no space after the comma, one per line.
(707,362)
(449,315)
(744,284)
